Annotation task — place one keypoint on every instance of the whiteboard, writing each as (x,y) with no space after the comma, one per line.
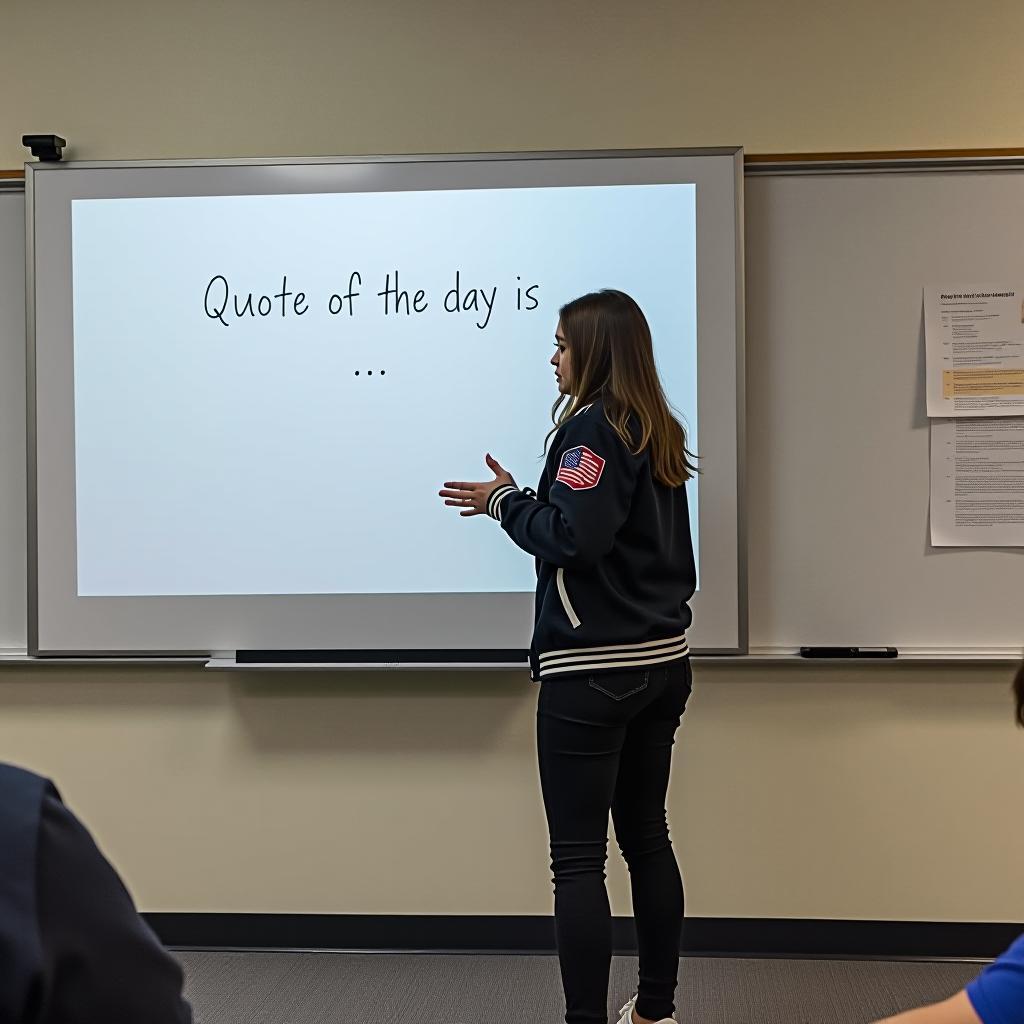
(13,543)
(836,487)
(838,443)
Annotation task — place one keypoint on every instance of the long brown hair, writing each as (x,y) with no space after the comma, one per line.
(612,359)
(1018,692)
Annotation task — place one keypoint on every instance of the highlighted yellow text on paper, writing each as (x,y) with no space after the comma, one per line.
(982,383)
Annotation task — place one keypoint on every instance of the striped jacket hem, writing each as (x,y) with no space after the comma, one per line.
(615,656)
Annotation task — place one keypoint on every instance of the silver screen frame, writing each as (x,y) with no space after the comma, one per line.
(63,624)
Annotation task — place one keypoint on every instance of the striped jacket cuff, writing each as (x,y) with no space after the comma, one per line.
(496,498)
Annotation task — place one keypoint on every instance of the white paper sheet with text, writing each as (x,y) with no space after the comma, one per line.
(977,482)
(974,348)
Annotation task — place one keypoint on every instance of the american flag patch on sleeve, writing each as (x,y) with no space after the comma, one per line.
(580,468)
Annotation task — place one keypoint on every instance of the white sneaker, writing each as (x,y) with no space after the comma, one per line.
(627,1014)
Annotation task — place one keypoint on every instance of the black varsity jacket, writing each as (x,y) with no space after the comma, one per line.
(615,565)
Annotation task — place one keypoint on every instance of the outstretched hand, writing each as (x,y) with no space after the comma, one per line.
(472,498)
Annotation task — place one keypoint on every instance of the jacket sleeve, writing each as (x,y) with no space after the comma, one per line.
(101,962)
(593,477)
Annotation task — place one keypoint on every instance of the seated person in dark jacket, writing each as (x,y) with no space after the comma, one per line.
(72,947)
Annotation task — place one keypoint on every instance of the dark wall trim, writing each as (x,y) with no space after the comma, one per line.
(702,936)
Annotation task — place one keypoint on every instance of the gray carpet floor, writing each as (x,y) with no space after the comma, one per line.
(385,988)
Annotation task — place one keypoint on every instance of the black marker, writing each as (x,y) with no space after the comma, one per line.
(848,652)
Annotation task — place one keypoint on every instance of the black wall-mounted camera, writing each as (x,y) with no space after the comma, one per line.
(45,147)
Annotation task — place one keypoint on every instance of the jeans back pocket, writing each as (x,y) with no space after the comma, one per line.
(620,685)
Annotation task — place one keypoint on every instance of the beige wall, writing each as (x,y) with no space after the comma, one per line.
(123,79)
(890,793)
(800,792)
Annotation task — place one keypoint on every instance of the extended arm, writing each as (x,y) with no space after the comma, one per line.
(957,1010)
(590,497)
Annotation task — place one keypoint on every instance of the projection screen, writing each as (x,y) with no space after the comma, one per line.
(249,379)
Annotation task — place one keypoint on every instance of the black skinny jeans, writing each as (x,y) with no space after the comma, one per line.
(605,742)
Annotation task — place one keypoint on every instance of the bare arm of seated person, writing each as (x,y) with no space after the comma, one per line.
(957,1010)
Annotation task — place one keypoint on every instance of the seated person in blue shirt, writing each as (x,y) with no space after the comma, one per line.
(996,996)
(73,950)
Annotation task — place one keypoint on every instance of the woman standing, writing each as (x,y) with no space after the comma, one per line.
(610,530)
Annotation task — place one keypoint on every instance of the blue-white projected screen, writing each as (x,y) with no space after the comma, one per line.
(270,390)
